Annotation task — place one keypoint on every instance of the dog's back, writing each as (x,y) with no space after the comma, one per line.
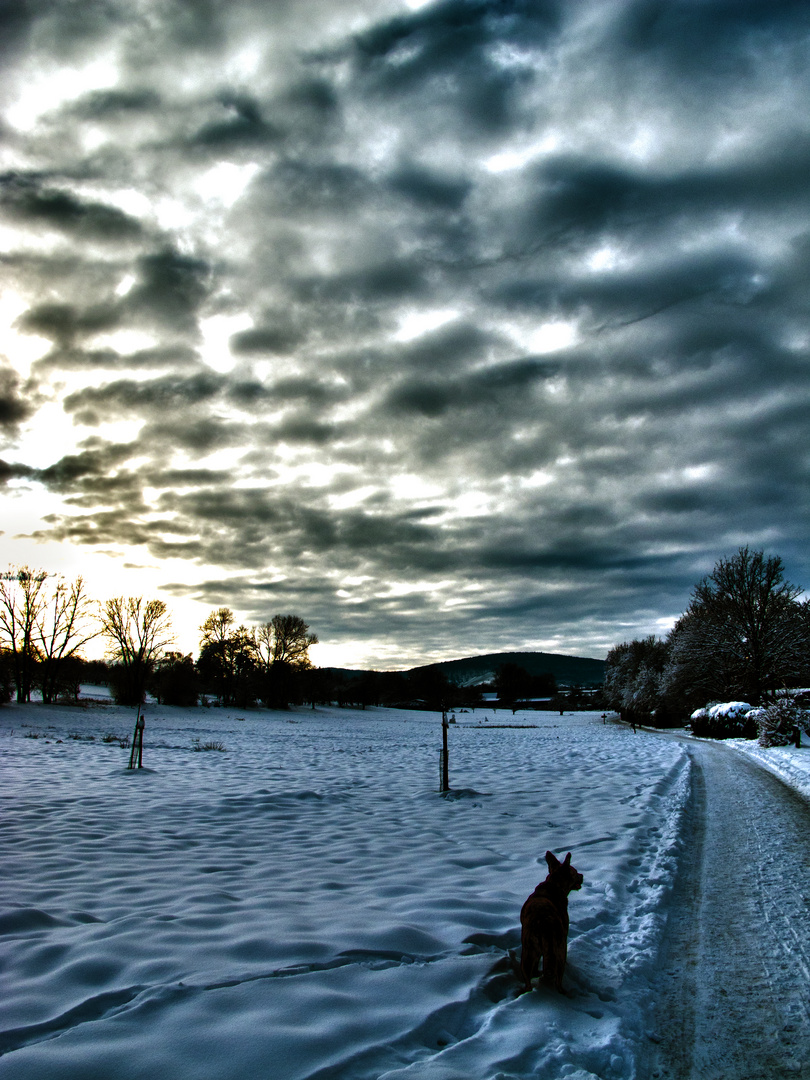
(544,923)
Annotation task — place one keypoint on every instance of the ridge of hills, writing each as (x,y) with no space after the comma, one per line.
(473,670)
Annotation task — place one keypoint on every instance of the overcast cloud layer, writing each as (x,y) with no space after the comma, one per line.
(452,328)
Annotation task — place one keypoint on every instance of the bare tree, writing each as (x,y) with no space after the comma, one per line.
(241,664)
(227,658)
(137,633)
(291,640)
(22,598)
(61,631)
(282,649)
(217,627)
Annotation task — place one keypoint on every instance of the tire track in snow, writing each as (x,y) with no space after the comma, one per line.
(732,999)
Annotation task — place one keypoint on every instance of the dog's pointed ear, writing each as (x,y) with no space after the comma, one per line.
(567,860)
(552,860)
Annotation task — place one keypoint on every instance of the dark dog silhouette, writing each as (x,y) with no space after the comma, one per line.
(544,923)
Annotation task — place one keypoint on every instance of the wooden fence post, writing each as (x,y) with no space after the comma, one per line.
(445,764)
(137,742)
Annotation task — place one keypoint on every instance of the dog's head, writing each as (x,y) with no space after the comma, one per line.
(563,872)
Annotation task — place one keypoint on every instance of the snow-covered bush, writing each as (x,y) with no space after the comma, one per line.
(778,722)
(725,720)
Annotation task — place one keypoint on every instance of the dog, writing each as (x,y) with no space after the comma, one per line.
(544,923)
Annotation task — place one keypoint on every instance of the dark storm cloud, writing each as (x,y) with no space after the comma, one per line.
(103,104)
(578,199)
(181,397)
(153,396)
(65,322)
(398,209)
(170,291)
(305,186)
(196,436)
(725,33)
(448,48)
(429,188)
(187,478)
(13,27)
(395,280)
(73,359)
(312,392)
(265,339)
(305,429)
(14,406)
(10,470)
(90,466)
(41,204)
(478,389)
(620,298)
(241,124)
(455,345)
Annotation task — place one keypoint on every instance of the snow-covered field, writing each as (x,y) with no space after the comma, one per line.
(306,904)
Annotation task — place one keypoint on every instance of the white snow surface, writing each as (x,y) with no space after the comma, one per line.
(790,763)
(307,905)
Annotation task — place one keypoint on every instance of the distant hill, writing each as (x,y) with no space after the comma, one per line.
(567,670)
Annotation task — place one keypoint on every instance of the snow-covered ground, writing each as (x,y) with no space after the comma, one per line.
(789,763)
(306,904)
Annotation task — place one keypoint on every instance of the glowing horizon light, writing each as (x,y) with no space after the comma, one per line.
(552,336)
(21,349)
(411,486)
(125,285)
(54,88)
(217,332)
(415,323)
(125,341)
(604,258)
(701,472)
(516,158)
(539,478)
(350,499)
(225,182)
(63,436)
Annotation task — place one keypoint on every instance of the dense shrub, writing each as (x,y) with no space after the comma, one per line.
(127,685)
(726,720)
(779,721)
(175,680)
(634,679)
(6,678)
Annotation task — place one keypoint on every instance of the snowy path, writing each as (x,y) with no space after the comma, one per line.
(733,992)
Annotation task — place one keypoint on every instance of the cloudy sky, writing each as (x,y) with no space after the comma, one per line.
(452,327)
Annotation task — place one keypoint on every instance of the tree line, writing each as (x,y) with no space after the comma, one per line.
(46,622)
(744,636)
